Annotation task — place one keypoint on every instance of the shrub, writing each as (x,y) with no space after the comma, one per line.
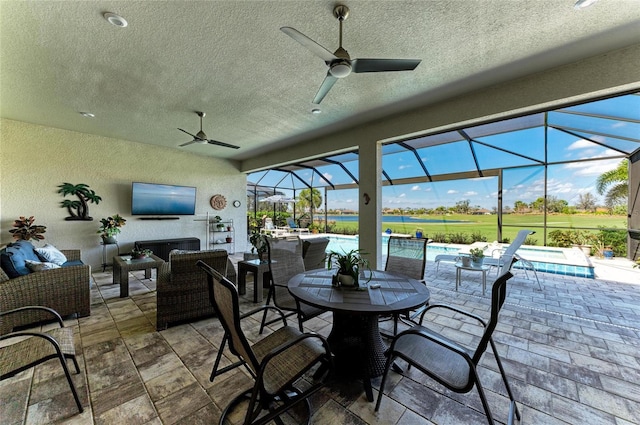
(439,237)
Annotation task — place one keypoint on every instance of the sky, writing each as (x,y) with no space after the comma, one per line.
(602,131)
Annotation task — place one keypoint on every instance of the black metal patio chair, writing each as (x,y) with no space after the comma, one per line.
(276,362)
(448,362)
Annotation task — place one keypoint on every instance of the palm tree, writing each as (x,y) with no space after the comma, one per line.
(84,194)
(310,198)
(616,184)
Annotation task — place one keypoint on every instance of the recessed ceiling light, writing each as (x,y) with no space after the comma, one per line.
(581,4)
(116,20)
(87,114)
(316,111)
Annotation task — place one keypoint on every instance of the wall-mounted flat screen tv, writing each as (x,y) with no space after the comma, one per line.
(162,199)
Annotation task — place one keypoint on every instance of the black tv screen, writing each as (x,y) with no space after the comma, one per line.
(162,199)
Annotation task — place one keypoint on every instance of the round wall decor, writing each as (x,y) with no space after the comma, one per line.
(218,202)
(236,203)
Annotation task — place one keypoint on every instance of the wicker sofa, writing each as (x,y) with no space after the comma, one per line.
(66,290)
(181,289)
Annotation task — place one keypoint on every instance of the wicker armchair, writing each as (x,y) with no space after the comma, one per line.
(181,288)
(65,290)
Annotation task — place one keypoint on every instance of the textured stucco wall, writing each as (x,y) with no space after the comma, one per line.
(35,160)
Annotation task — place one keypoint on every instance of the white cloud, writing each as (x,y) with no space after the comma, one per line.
(402,167)
(470,193)
(416,187)
(327,176)
(402,195)
(451,192)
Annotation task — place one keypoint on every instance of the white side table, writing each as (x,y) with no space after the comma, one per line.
(483,269)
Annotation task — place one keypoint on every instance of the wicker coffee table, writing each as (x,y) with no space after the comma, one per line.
(122,265)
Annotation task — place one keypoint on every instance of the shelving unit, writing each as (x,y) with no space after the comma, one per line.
(219,232)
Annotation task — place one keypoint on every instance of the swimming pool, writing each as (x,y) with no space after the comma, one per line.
(564,261)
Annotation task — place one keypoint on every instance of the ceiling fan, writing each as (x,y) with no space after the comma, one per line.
(340,63)
(201,138)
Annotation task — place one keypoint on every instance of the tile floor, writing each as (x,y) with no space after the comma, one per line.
(571,351)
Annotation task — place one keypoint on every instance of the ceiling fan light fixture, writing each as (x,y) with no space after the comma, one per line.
(340,69)
(115,20)
(581,4)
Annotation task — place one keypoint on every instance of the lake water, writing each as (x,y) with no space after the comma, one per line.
(392,219)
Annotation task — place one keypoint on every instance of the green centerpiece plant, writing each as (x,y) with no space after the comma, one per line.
(349,265)
(477,256)
(138,254)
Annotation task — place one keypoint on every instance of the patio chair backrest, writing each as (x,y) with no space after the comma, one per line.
(498,296)
(506,258)
(291,223)
(407,256)
(285,261)
(223,295)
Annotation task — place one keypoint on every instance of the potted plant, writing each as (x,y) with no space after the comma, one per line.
(26,230)
(259,242)
(477,256)
(110,227)
(220,227)
(349,265)
(419,233)
(138,254)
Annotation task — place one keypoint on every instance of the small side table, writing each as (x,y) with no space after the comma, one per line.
(483,269)
(260,272)
(104,253)
(122,267)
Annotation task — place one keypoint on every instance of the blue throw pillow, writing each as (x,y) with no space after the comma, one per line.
(13,258)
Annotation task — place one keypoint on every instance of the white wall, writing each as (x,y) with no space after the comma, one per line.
(35,160)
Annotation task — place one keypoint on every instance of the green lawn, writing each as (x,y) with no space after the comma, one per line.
(487,226)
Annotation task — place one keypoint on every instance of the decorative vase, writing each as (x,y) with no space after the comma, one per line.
(109,240)
(419,234)
(477,262)
(346,280)
(228,240)
(138,257)
(466,261)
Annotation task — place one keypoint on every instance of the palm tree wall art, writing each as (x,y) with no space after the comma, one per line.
(78,209)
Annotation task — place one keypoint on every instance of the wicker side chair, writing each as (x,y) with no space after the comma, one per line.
(181,289)
(276,362)
(445,360)
(22,350)
(66,290)
(285,261)
(406,256)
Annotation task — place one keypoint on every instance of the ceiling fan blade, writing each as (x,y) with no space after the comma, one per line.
(384,65)
(223,144)
(190,143)
(314,47)
(328,82)
(195,138)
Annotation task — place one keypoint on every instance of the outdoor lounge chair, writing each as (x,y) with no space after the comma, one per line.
(445,360)
(270,230)
(510,253)
(294,228)
(276,362)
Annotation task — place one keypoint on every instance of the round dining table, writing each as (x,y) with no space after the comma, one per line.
(355,339)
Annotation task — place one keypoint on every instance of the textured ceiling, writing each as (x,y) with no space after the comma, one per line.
(230,60)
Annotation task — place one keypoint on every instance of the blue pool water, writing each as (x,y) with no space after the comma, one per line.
(550,260)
